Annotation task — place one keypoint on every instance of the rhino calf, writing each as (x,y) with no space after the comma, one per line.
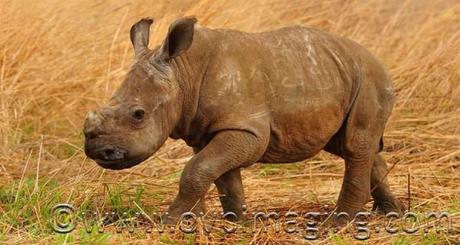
(238,98)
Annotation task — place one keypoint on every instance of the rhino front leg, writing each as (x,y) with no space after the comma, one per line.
(231,193)
(227,151)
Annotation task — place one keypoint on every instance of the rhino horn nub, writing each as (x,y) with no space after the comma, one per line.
(140,35)
(92,123)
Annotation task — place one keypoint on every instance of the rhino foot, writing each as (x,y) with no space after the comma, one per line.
(391,205)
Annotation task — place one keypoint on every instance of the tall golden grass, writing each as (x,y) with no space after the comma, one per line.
(58,59)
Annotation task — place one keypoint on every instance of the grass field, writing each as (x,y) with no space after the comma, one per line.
(58,59)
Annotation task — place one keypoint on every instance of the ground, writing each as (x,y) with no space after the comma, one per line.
(58,59)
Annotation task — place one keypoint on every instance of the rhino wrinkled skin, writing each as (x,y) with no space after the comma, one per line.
(238,98)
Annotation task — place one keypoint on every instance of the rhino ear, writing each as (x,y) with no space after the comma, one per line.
(140,35)
(179,38)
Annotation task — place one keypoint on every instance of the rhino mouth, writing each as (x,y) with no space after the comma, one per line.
(120,164)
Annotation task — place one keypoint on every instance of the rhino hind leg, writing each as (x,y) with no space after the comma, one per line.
(358,142)
(384,200)
(355,191)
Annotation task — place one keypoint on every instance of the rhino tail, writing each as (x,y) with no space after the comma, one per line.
(381,144)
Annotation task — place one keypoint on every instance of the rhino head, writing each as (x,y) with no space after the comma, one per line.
(144,110)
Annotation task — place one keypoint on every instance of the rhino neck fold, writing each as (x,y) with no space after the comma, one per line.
(189,69)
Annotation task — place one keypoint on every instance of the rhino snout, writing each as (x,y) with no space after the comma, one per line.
(96,149)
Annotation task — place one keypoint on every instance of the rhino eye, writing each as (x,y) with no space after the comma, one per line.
(138,114)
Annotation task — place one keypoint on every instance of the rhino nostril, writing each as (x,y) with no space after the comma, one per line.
(109,153)
(90,135)
(113,154)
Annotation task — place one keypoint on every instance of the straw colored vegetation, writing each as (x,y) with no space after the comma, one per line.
(58,59)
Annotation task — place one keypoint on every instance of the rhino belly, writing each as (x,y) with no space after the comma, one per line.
(300,134)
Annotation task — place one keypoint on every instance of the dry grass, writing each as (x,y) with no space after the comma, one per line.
(60,58)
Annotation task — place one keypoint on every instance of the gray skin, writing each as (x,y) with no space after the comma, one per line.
(238,98)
